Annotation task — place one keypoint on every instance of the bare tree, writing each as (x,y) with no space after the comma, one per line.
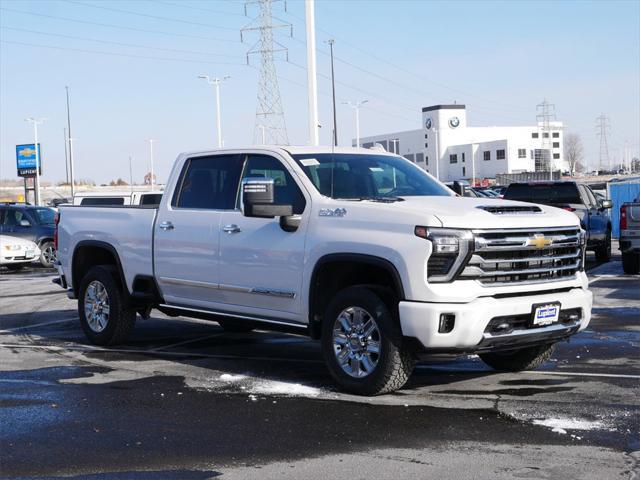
(573,151)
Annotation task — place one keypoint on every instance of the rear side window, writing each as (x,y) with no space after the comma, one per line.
(96,201)
(545,193)
(210,183)
(286,191)
(150,199)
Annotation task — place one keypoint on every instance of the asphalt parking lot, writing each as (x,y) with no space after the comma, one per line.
(185,400)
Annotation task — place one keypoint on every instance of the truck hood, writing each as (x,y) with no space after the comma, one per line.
(476,213)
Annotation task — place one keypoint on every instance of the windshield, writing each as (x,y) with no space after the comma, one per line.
(44,216)
(545,193)
(362,177)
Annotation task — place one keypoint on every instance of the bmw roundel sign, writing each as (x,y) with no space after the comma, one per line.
(454,122)
(428,123)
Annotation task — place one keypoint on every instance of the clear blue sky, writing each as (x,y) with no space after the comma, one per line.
(499,58)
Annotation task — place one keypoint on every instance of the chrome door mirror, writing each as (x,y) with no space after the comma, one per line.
(606,204)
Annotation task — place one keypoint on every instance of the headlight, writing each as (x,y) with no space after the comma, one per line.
(450,249)
(12,247)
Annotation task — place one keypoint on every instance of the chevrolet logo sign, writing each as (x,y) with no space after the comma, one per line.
(539,241)
(27,152)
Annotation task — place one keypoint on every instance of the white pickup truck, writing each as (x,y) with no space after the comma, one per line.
(358,248)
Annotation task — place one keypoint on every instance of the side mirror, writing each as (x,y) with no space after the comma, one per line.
(258,198)
(606,204)
(25,223)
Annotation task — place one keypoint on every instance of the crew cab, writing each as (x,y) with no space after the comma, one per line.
(575,197)
(360,249)
(630,236)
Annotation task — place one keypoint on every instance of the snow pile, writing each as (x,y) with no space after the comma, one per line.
(227,377)
(284,388)
(561,425)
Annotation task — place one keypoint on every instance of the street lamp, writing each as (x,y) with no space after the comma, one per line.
(36,122)
(216,83)
(151,155)
(356,106)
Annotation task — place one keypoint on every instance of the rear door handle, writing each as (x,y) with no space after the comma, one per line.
(166,226)
(233,228)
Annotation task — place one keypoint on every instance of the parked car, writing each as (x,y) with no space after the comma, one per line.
(362,250)
(630,236)
(574,197)
(31,223)
(16,253)
(118,198)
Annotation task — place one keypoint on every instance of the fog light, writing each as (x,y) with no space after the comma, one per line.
(447,322)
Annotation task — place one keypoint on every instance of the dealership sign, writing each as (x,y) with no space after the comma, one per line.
(26,159)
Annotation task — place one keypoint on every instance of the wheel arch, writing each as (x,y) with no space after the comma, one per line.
(89,253)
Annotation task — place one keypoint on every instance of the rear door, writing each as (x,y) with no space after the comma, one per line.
(187,229)
(261,264)
(599,215)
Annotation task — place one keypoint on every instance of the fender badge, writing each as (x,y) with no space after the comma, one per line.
(332,212)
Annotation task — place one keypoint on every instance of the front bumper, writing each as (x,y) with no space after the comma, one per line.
(470,332)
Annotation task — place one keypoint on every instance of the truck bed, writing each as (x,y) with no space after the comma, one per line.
(127,228)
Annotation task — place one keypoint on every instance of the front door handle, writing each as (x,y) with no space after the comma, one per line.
(233,228)
(166,226)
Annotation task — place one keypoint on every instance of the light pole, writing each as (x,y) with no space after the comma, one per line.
(356,106)
(473,166)
(69,139)
(395,142)
(331,42)
(36,122)
(435,134)
(264,134)
(151,155)
(312,81)
(216,83)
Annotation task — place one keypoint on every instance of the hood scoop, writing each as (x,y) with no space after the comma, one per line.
(511,209)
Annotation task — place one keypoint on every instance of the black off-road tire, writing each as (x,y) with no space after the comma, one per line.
(122,316)
(395,361)
(527,358)
(237,326)
(603,252)
(631,263)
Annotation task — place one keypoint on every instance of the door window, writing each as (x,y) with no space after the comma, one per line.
(209,183)
(286,191)
(12,217)
(592,197)
(585,196)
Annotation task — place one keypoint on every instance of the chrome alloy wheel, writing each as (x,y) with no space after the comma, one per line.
(356,342)
(96,306)
(49,254)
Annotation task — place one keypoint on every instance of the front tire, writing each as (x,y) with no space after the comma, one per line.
(519,360)
(631,263)
(603,252)
(47,254)
(105,316)
(362,343)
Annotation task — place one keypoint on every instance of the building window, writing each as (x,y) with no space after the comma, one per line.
(464,172)
(394,146)
(426,145)
(556,144)
(522,153)
(555,134)
(545,135)
(419,157)
(462,157)
(500,155)
(453,158)
(426,135)
(409,157)
(556,156)
(367,145)
(534,135)
(487,155)
(426,160)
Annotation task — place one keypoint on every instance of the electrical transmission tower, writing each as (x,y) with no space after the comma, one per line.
(546,113)
(602,130)
(270,124)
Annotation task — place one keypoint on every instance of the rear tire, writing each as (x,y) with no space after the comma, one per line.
(631,263)
(603,252)
(47,254)
(105,315)
(518,360)
(362,343)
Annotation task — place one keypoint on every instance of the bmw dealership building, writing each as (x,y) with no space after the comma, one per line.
(449,149)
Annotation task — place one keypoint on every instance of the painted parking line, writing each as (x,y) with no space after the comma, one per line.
(53,322)
(583,374)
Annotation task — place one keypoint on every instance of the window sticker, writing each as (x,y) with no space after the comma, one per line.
(309,162)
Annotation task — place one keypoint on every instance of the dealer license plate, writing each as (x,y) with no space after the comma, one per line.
(546,314)
(29,254)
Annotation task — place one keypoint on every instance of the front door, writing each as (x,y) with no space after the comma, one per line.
(261,265)
(187,230)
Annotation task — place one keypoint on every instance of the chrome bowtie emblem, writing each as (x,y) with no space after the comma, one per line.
(539,241)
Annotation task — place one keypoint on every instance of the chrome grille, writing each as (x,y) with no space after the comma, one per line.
(524,256)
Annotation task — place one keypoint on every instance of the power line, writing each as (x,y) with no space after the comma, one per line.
(146,15)
(121,27)
(117,54)
(200,9)
(73,37)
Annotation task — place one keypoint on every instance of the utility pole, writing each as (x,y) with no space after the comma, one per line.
(151,156)
(36,122)
(395,142)
(312,80)
(269,112)
(70,144)
(603,128)
(473,165)
(331,42)
(130,177)
(356,106)
(216,85)
(546,112)
(435,135)
(66,156)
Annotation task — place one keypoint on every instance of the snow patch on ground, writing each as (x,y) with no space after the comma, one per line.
(284,388)
(561,425)
(227,377)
